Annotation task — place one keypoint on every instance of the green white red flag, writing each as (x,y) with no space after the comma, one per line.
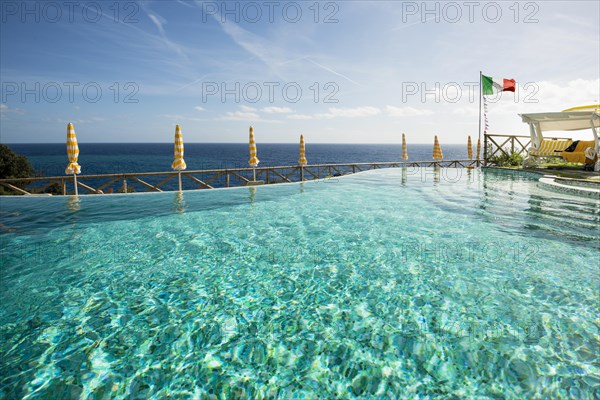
(490,86)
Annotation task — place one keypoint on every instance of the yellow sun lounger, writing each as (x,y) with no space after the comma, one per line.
(551,148)
(575,119)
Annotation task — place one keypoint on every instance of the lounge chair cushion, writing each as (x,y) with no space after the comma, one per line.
(551,148)
(572,146)
(578,156)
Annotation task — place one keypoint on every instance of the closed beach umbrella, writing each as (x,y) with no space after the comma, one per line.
(478,148)
(178,162)
(437,150)
(302,160)
(73,154)
(404,149)
(469,148)
(253,158)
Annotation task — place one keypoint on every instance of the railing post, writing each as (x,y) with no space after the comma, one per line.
(301,174)
(227,179)
(268,176)
(63,184)
(512,144)
(124,184)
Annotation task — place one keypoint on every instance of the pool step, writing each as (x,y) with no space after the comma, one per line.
(570,186)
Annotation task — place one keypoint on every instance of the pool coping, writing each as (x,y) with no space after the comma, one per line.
(533,174)
(551,182)
(545,181)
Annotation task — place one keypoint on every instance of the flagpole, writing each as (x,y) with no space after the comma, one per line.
(480,95)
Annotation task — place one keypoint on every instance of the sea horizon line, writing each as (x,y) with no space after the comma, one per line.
(258,143)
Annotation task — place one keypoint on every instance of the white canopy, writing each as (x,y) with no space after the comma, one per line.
(563,121)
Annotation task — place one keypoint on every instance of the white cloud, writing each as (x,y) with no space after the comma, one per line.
(177,118)
(75,122)
(198,108)
(185,4)
(241,116)
(406,111)
(277,110)
(245,113)
(174,116)
(5,110)
(158,22)
(547,96)
(300,116)
(252,43)
(326,68)
(568,94)
(466,111)
(357,112)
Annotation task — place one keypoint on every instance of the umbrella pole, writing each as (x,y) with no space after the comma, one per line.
(179,180)
(254,174)
(302,173)
(75,184)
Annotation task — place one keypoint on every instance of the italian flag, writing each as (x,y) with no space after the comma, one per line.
(494,85)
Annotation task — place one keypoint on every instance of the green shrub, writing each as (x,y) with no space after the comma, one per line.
(13,165)
(507,159)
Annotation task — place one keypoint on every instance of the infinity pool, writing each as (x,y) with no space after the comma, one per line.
(383,284)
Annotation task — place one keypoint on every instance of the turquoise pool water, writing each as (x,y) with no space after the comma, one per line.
(462,284)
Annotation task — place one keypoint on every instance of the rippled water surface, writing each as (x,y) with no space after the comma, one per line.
(384,284)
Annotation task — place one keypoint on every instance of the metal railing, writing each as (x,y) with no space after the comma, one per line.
(204,179)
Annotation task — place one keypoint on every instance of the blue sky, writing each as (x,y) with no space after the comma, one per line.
(367,70)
